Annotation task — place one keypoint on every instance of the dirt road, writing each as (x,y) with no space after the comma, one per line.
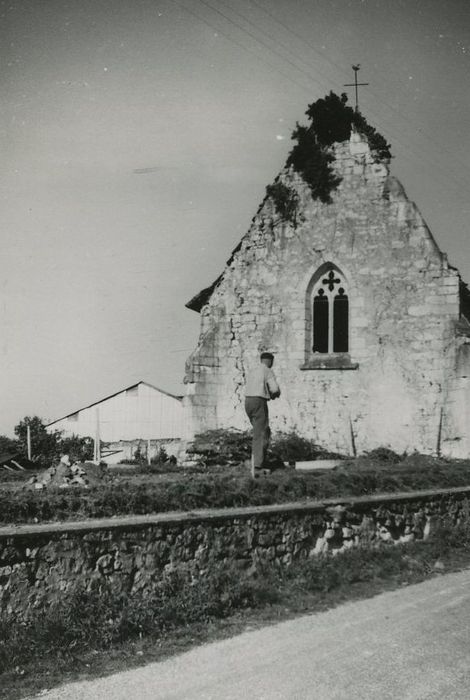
(409,644)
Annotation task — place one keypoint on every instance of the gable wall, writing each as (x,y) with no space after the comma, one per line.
(403,307)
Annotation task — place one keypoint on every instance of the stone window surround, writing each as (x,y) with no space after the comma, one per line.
(337,360)
(323,361)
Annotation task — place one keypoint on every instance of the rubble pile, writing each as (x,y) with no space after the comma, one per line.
(66,475)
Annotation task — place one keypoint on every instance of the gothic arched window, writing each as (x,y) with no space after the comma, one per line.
(329,309)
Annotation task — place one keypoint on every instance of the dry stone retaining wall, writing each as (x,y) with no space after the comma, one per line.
(40,563)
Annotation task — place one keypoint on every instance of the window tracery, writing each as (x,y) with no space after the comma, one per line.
(330,313)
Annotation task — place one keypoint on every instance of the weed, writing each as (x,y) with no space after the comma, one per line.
(230,487)
(100,617)
(285,200)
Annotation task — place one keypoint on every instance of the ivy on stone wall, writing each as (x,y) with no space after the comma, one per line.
(285,200)
(331,122)
(313,162)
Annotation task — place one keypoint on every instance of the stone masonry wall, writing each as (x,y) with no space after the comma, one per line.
(398,387)
(40,563)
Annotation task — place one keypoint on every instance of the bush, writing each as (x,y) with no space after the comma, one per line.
(331,122)
(292,447)
(229,447)
(46,446)
(384,454)
(221,447)
(314,163)
(332,119)
(160,458)
(80,449)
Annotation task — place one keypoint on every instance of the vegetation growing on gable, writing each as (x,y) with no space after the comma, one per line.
(464,300)
(285,200)
(313,162)
(331,122)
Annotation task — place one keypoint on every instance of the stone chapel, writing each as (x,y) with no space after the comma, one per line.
(368,322)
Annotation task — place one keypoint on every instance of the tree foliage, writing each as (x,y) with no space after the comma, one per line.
(79,449)
(8,445)
(46,446)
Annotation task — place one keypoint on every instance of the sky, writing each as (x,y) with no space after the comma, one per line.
(138,137)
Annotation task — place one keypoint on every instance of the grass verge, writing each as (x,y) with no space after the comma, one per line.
(99,632)
(229,487)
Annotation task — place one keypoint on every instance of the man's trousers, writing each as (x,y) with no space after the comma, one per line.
(257,411)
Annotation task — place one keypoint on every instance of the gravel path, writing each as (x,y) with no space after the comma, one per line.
(409,644)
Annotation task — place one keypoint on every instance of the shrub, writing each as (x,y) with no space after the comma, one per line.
(292,447)
(331,122)
(221,446)
(47,446)
(332,119)
(313,162)
(80,449)
(384,454)
(44,445)
(160,458)
(229,447)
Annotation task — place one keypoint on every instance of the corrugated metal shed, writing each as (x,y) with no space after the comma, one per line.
(140,411)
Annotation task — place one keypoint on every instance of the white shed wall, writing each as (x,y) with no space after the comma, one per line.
(142,412)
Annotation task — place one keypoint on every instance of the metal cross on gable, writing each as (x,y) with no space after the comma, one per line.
(330,280)
(355,84)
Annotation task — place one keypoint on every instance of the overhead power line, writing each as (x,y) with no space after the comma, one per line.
(244,47)
(434,161)
(407,147)
(421,133)
(307,72)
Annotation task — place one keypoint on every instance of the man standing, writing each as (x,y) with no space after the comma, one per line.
(261,386)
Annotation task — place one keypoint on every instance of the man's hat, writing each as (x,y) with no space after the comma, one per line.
(266,356)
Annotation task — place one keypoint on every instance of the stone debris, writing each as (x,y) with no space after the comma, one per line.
(65,475)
